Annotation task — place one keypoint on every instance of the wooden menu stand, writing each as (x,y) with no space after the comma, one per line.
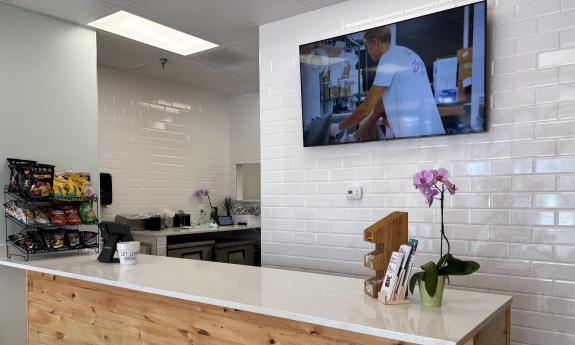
(388,234)
(382,299)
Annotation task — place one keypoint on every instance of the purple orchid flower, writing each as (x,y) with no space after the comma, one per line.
(450,187)
(201,192)
(426,181)
(429,193)
(442,175)
(424,178)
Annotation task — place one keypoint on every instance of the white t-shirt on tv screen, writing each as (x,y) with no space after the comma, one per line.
(408,99)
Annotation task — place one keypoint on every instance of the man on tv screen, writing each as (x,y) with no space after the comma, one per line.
(400,94)
(418,77)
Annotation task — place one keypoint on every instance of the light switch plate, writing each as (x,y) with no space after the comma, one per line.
(354,193)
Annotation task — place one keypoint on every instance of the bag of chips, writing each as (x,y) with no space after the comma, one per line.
(40,217)
(87,213)
(15,165)
(34,242)
(42,176)
(48,238)
(57,217)
(59,239)
(61,186)
(73,239)
(24,179)
(89,238)
(76,186)
(72,217)
(88,192)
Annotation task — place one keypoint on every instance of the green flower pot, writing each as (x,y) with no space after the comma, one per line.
(435,300)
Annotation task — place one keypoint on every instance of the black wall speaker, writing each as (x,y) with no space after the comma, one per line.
(105,189)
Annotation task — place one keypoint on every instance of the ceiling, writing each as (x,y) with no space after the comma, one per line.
(231,68)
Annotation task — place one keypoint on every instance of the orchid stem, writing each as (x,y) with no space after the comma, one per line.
(442,190)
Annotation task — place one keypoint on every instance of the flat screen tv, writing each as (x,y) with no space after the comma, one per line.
(414,78)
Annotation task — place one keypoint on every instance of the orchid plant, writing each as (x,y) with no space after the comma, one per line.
(200,193)
(433,185)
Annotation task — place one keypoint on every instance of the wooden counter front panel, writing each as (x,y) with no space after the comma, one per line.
(69,311)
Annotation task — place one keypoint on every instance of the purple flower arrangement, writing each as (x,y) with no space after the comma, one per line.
(200,193)
(433,185)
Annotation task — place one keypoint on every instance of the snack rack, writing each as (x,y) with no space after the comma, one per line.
(388,234)
(28,226)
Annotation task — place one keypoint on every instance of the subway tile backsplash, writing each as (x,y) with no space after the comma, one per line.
(161,140)
(515,212)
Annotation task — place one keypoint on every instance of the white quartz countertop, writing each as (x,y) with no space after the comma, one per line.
(191,231)
(326,300)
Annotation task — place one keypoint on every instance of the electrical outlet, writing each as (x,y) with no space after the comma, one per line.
(354,193)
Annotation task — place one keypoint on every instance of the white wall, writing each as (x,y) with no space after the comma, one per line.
(515,210)
(48,91)
(245,139)
(161,140)
(245,128)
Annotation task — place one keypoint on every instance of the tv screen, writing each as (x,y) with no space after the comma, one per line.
(419,77)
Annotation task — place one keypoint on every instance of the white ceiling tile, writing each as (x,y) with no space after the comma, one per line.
(201,76)
(230,69)
(79,11)
(199,18)
(250,70)
(126,54)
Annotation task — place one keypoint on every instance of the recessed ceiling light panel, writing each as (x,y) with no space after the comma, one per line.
(146,31)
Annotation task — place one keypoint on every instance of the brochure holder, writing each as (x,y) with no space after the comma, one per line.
(388,234)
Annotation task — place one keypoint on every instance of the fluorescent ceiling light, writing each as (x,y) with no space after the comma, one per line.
(146,31)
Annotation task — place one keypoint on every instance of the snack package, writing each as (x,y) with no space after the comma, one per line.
(87,213)
(61,186)
(57,217)
(40,217)
(88,192)
(48,238)
(34,241)
(89,238)
(73,239)
(15,165)
(42,176)
(21,213)
(72,217)
(59,239)
(11,208)
(76,186)
(24,178)
(19,240)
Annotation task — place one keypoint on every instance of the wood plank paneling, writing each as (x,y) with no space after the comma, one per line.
(69,311)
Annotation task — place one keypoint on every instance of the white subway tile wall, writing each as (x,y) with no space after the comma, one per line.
(160,140)
(244,115)
(515,210)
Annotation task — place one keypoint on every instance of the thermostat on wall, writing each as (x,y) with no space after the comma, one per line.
(354,193)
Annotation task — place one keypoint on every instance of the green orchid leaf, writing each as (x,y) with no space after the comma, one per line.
(414,279)
(442,261)
(430,277)
(458,267)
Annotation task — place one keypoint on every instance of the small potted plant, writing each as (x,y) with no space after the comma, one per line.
(227,204)
(200,193)
(433,184)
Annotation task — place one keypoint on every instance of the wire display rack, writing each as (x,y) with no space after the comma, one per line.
(13,248)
